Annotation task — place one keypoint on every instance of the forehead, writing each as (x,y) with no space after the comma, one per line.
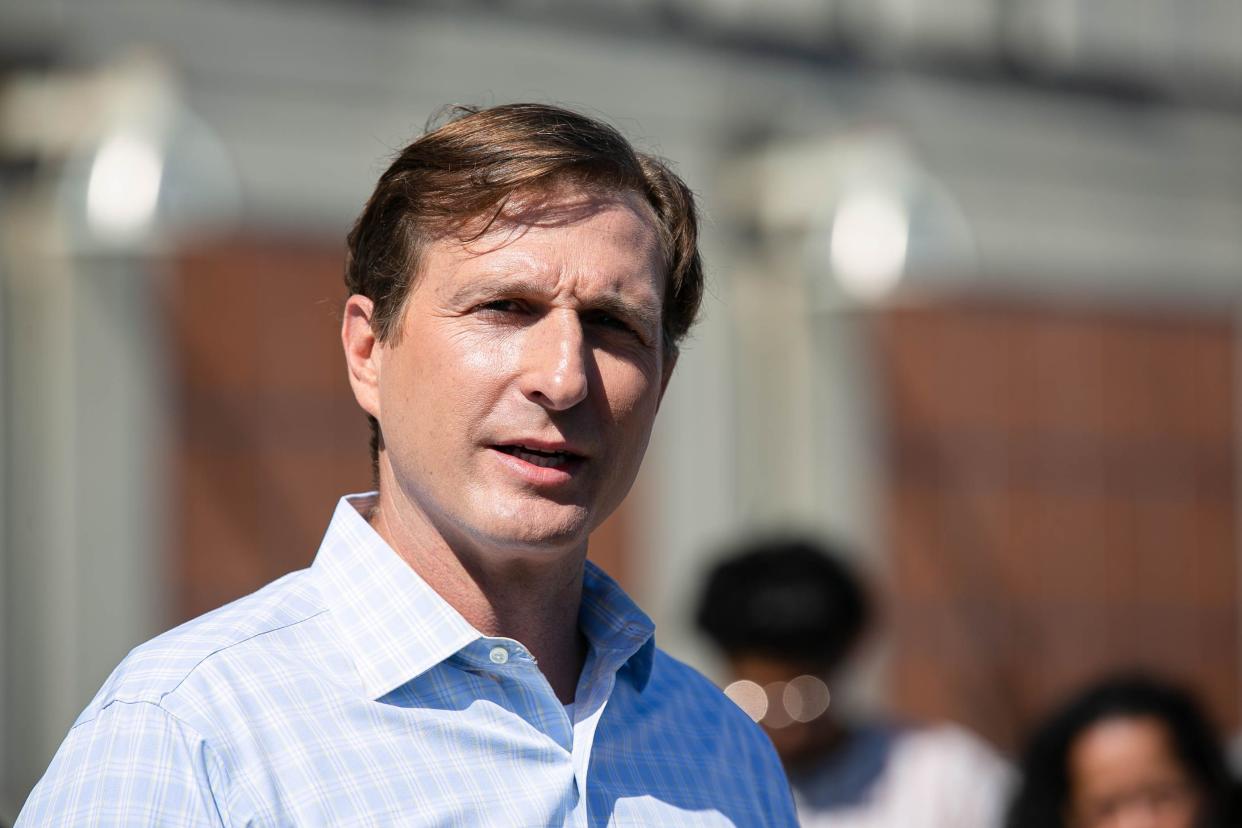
(764,669)
(605,240)
(1119,746)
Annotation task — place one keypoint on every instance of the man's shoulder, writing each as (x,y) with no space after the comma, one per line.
(224,638)
(675,674)
(695,748)
(686,687)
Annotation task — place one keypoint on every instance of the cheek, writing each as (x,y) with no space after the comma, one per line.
(631,390)
(480,353)
(456,371)
(431,393)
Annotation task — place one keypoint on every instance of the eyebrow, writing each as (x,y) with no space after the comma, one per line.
(485,288)
(643,313)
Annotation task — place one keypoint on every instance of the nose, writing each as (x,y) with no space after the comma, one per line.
(554,362)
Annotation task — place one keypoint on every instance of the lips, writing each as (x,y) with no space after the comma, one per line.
(543,459)
(542,462)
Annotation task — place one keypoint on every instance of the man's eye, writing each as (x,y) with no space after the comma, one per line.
(501,306)
(607,320)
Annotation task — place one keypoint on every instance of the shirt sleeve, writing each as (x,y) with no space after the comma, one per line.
(132,764)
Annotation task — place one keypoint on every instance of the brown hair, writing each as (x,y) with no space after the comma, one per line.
(470,167)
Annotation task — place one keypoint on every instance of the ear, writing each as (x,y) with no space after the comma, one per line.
(363,353)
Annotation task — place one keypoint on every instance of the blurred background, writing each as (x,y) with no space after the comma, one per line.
(976,286)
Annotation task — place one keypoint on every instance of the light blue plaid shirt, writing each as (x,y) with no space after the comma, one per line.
(350,693)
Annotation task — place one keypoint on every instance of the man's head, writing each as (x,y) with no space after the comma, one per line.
(785,611)
(520,281)
(443,183)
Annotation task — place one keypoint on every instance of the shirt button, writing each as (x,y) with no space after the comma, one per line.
(498,655)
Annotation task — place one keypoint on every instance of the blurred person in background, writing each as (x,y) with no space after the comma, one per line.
(788,614)
(1127,752)
(519,282)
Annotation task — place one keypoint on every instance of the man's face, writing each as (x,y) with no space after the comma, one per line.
(518,399)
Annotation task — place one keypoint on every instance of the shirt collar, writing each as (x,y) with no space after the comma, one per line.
(614,625)
(396,627)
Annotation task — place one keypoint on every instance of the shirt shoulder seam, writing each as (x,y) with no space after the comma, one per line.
(210,750)
(158,701)
(136,702)
(230,646)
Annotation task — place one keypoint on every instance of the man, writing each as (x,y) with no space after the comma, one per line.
(519,282)
(788,614)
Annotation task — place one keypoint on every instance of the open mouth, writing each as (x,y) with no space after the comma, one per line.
(538,457)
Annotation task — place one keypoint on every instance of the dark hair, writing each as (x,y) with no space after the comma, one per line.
(470,167)
(1044,793)
(786,598)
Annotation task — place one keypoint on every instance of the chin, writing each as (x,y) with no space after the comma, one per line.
(540,529)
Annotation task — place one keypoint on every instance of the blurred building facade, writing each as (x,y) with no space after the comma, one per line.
(977,270)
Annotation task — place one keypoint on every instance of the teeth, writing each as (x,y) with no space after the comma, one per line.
(543,460)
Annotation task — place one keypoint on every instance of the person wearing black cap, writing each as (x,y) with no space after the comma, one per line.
(788,614)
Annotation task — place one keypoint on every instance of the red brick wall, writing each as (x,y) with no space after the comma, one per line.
(1062,501)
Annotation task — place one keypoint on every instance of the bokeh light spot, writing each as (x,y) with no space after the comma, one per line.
(870,235)
(806,698)
(124,186)
(750,697)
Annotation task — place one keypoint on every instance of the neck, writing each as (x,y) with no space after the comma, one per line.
(826,738)
(499,592)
